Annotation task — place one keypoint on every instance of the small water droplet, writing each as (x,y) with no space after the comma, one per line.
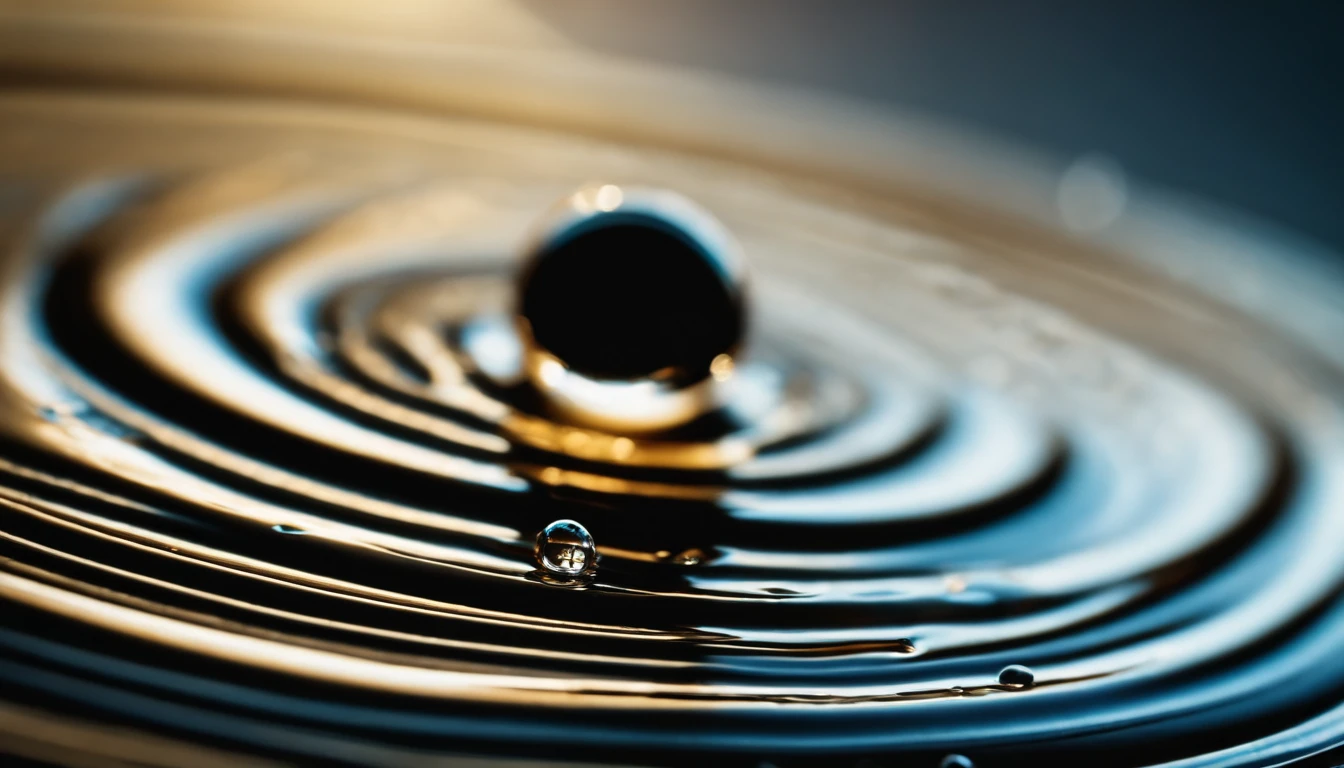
(956,761)
(1017,676)
(565,548)
(290,529)
(689,557)
(903,645)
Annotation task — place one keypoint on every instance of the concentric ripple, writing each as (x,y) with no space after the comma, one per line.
(270,476)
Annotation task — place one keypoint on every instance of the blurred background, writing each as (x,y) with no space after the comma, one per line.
(1240,102)
(1234,102)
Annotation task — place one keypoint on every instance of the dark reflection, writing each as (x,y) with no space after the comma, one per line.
(631,297)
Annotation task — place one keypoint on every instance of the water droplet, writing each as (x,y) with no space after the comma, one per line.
(956,761)
(290,529)
(1017,676)
(689,557)
(565,548)
(623,360)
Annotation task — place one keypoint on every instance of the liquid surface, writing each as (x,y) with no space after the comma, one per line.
(271,479)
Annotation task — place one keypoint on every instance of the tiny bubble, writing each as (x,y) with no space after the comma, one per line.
(956,761)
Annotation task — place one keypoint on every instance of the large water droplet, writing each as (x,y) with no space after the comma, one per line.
(677,310)
(1017,676)
(956,761)
(565,548)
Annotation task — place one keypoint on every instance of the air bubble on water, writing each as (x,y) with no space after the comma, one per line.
(956,761)
(1017,676)
(565,548)
(293,530)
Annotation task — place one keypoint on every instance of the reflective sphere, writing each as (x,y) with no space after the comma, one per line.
(565,548)
(628,285)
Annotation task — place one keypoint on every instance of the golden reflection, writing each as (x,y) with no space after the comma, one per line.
(721,368)
(594,445)
(621,406)
(587,481)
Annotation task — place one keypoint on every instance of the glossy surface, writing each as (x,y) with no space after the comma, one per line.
(630,311)
(631,293)
(272,471)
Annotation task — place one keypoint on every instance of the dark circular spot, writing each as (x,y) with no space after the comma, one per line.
(624,296)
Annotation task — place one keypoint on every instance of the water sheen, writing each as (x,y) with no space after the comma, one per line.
(271,478)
